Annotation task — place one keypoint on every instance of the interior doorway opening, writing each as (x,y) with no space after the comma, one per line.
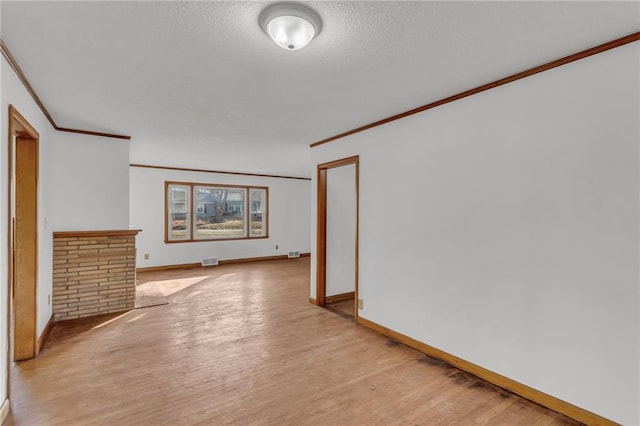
(337,237)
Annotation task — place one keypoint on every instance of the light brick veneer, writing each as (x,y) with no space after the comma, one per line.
(94,273)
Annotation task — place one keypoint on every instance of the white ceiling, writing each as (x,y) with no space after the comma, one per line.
(185,78)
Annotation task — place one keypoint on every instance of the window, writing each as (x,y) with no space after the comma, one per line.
(257,200)
(204,212)
(177,213)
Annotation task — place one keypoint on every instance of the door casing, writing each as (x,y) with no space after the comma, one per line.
(22,240)
(321,241)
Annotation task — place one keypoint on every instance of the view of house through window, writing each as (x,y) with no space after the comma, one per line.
(196,212)
(258,199)
(176,206)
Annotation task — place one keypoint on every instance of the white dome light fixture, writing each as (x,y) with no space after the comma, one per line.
(291,25)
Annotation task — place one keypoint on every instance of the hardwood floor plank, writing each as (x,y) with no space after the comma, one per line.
(240,344)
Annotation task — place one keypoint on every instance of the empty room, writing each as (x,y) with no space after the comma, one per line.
(323,212)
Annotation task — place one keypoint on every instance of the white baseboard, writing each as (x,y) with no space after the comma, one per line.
(4,410)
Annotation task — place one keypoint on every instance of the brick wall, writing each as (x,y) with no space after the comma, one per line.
(94,273)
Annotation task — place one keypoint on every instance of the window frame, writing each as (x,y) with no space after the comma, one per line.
(167,211)
(264,212)
(192,206)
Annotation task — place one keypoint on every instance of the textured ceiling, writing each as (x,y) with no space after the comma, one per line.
(186,78)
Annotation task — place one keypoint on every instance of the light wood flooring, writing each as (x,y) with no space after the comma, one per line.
(240,344)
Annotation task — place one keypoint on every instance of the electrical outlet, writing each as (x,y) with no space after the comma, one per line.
(277,247)
(146,256)
(48,299)
(360,303)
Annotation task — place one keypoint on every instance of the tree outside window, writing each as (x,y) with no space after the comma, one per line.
(221,212)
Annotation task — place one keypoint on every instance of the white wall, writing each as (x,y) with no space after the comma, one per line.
(91,180)
(288,218)
(341,230)
(83,185)
(518,248)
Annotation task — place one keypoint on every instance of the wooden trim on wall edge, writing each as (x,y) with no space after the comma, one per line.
(4,410)
(221,262)
(312,301)
(44,336)
(21,124)
(23,79)
(340,297)
(92,133)
(100,233)
(514,77)
(499,380)
(185,169)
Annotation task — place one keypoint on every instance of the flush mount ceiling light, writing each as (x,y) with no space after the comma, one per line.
(291,25)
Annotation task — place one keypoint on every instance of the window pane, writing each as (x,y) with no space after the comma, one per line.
(222,212)
(178,212)
(258,202)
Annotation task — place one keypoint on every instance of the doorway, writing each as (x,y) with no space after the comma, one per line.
(22,240)
(337,236)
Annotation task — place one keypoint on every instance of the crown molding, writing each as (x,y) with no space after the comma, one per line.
(510,79)
(185,169)
(16,68)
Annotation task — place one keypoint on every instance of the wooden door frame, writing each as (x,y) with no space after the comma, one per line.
(19,127)
(321,241)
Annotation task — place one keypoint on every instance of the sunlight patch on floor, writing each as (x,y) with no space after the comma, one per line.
(102,324)
(168,287)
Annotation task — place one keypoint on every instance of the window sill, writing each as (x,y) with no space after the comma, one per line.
(214,239)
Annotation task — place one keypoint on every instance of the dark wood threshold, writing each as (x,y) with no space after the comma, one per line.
(340,297)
